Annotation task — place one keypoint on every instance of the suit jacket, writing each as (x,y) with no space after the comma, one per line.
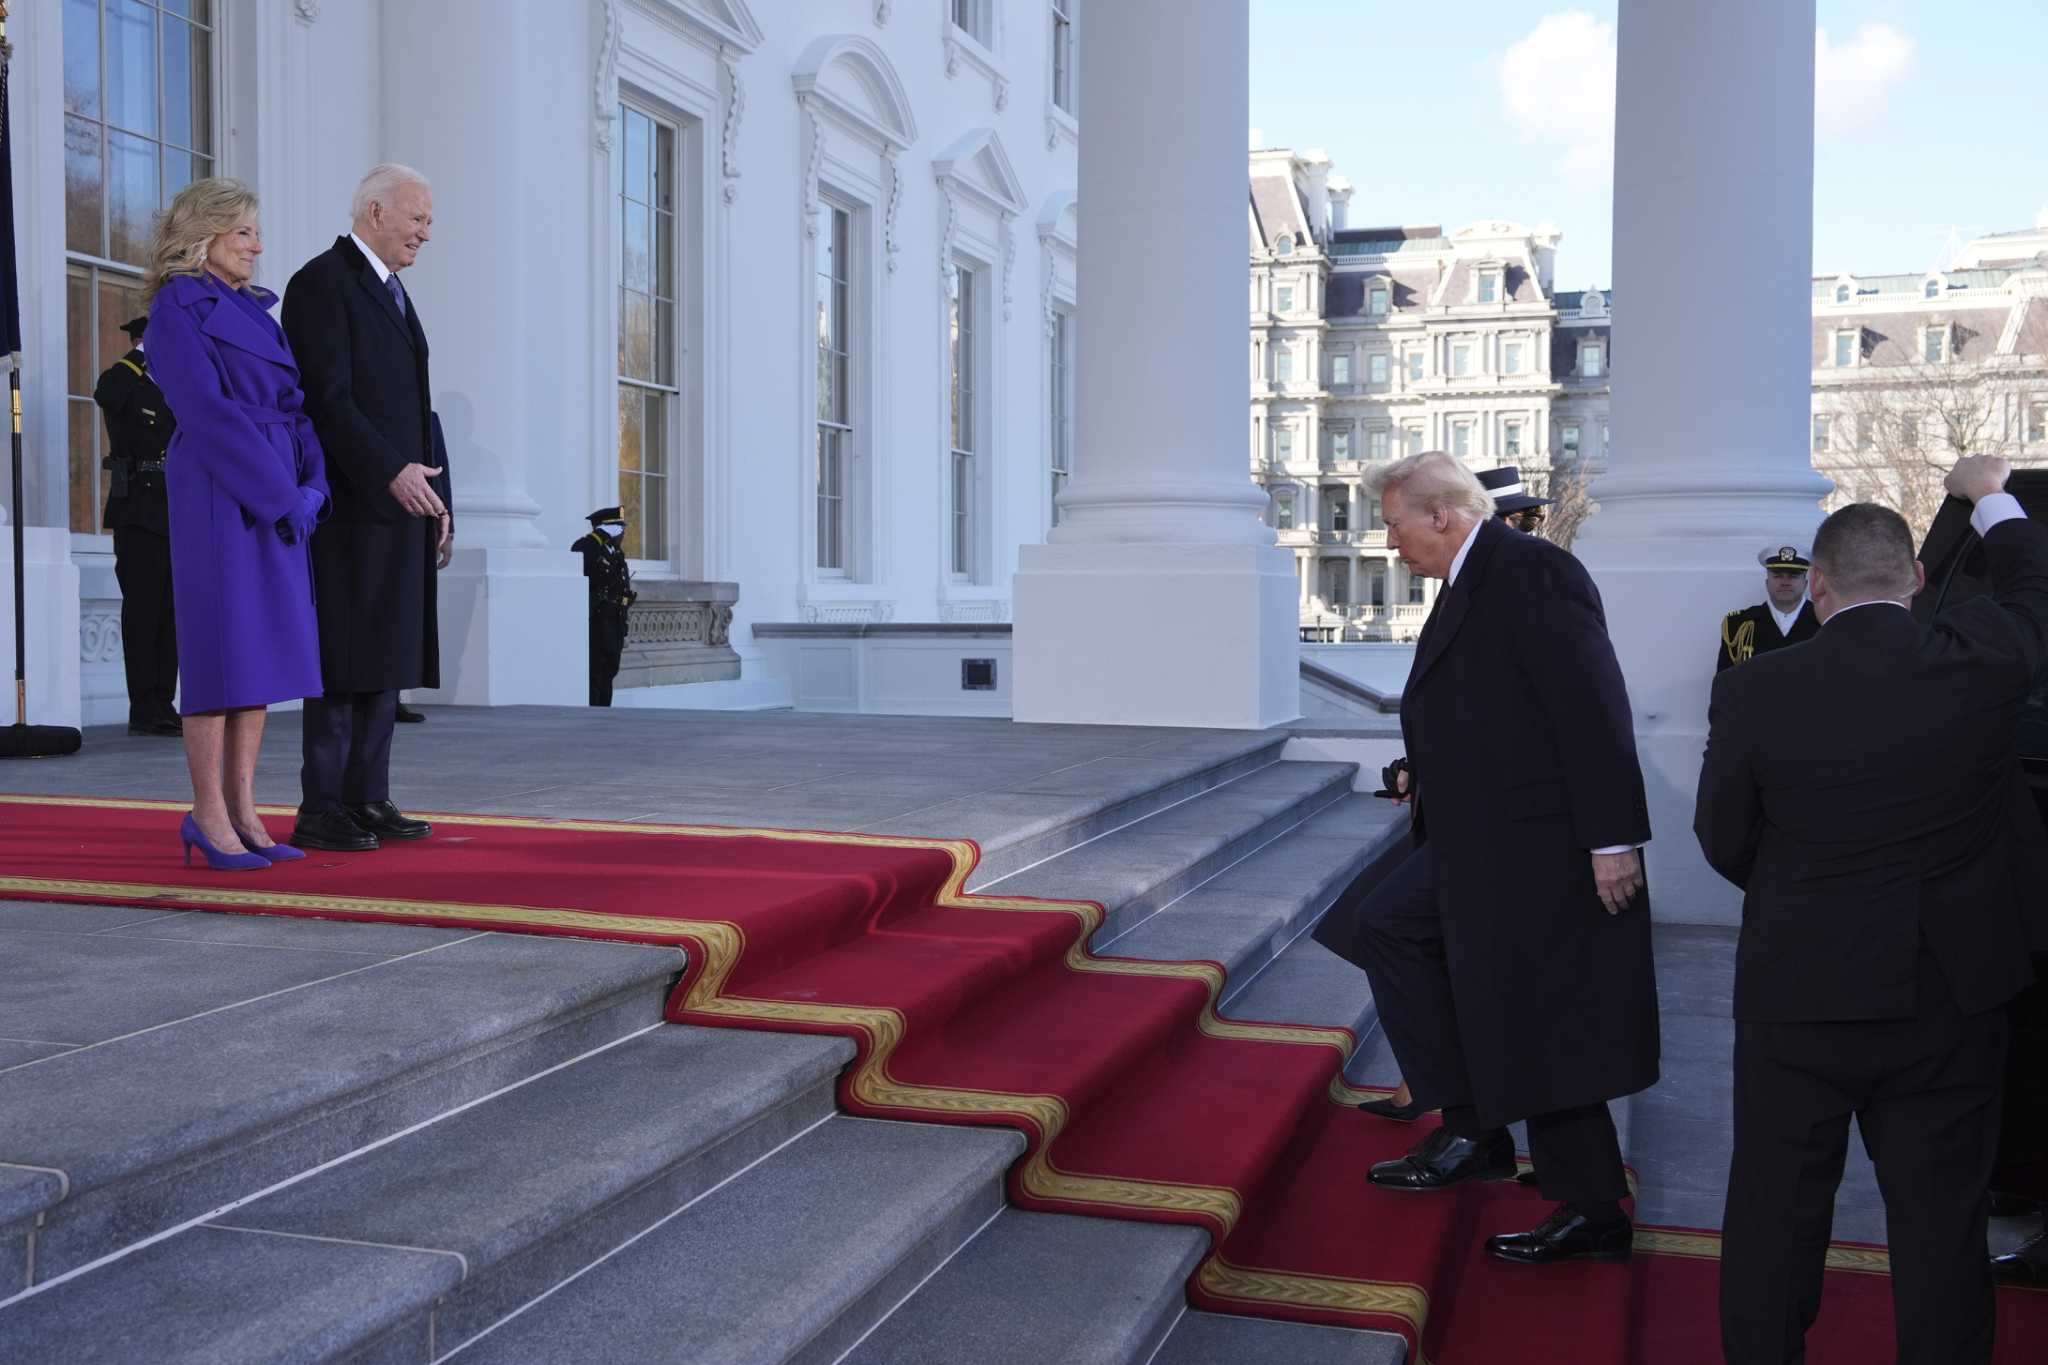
(1749,631)
(1860,789)
(1518,728)
(368,393)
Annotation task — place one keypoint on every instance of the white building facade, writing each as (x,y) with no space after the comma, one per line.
(795,283)
(1912,370)
(1372,343)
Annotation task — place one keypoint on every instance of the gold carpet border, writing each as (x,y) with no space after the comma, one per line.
(723,943)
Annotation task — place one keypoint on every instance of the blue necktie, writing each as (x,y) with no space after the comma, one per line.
(397,293)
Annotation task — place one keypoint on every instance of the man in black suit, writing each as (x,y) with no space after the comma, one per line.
(363,363)
(139,427)
(1859,788)
(1529,996)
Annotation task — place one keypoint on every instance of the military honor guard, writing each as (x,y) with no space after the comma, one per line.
(1784,617)
(611,595)
(139,427)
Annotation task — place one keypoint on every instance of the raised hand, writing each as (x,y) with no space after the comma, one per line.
(1978,476)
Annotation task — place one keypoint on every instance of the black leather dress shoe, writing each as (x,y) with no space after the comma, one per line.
(155,725)
(1440,1161)
(407,716)
(332,830)
(1387,1109)
(1567,1235)
(387,821)
(2025,1264)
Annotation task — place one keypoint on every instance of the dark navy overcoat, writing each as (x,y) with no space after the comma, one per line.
(247,633)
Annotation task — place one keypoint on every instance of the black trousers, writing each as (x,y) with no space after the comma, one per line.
(1398,938)
(149,627)
(1925,1093)
(607,646)
(345,745)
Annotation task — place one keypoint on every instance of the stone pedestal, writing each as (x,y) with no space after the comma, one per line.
(513,631)
(678,631)
(1713,180)
(1162,598)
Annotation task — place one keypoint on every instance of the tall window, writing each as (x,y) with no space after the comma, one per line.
(1461,439)
(1376,443)
(1283,364)
(1416,586)
(1283,511)
(1511,441)
(1461,359)
(961,325)
(973,16)
(2037,422)
(138,127)
(1568,442)
(1283,443)
(1283,297)
(1376,301)
(648,387)
(1820,434)
(1060,421)
(1375,515)
(1063,54)
(1340,443)
(1412,431)
(1340,368)
(1511,358)
(1866,432)
(1592,360)
(1339,503)
(1489,286)
(1415,363)
(835,373)
(1376,368)
(1936,345)
(1845,350)
(1376,583)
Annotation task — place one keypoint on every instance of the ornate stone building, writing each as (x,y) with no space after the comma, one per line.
(1371,343)
(1912,370)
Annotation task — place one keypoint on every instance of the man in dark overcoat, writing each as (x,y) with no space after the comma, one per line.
(362,356)
(138,514)
(1861,789)
(1532,995)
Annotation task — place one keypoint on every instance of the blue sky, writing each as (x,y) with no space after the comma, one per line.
(1450,112)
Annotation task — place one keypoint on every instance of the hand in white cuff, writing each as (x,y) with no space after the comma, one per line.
(1993,508)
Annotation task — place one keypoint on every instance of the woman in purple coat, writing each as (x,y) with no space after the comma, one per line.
(246,484)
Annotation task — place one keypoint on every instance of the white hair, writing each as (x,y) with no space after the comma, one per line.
(1434,481)
(378,186)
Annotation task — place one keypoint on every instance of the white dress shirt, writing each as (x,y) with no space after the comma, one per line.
(1786,619)
(376,261)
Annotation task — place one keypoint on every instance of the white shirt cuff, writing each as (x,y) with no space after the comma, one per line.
(1993,508)
(1619,848)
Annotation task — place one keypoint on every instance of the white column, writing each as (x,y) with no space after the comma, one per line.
(1160,523)
(1686,505)
(504,134)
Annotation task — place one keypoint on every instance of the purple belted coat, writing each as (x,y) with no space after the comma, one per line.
(247,633)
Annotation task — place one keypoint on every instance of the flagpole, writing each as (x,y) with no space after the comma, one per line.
(19,740)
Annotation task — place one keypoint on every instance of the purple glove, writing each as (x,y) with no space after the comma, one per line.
(295,526)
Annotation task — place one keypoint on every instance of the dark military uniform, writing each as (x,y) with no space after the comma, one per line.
(611,594)
(139,424)
(1749,631)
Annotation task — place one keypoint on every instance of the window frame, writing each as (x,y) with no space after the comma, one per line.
(665,395)
(968,463)
(1378,372)
(1060,393)
(1063,81)
(1597,349)
(1340,368)
(848,427)
(1461,359)
(100,270)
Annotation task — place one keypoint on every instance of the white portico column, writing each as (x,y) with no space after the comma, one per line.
(1162,599)
(479,97)
(1713,167)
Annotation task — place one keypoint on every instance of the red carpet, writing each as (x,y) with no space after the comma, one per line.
(1139,1102)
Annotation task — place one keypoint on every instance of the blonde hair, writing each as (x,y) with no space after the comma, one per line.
(202,211)
(1436,482)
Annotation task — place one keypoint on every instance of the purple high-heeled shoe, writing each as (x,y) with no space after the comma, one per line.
(276,853)
(194,837)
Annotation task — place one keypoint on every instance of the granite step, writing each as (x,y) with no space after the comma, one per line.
(1136,871)
(1032,819)
(790,1263)
(136,1134)
(447,1229)
(1223,1339)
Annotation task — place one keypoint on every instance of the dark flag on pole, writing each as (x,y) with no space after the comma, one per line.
(19,740)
